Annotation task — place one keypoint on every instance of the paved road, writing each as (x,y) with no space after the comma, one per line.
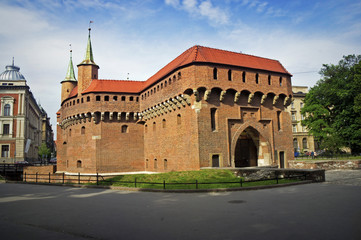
(313,211)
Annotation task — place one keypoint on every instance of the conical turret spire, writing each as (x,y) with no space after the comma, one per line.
(89,52)
(70,76)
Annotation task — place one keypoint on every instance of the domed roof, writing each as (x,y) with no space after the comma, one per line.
(11,73)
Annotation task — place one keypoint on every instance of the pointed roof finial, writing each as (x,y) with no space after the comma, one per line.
(89,59)
(13,62)
(70,76)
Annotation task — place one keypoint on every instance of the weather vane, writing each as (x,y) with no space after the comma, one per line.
(90,22)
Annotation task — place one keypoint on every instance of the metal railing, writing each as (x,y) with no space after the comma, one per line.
(100,180)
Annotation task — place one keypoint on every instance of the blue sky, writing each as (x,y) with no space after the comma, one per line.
(139,37)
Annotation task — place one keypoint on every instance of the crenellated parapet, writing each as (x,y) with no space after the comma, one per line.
(97,117)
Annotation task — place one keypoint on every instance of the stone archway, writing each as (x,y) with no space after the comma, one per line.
(250,148)
(246,151)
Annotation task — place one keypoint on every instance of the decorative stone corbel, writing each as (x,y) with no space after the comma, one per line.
(102,116)
(250,97)
(285,101)
(186,98)
(236,97)
(275,99)
(119,117)
(111,116)
(171,104)
(181,101)
(127,116)
(196,94)
(263,99)
(207,95)
(135,116)
(221,97)
(94,117)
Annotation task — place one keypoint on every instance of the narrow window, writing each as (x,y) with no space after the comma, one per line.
(6,129)
(179,75)
(269,79)
(106,98)
(174,78)
(304,143)
(5,151)
(257,78)
(145,128)
(280,81)
(131,98)
(179,119)
(137,99)
(70,132)
(78,164)
(165,164)
(97,98)
(82,130)
(164,123)
(70,103)
(123,98)
(82,100)
(77,101)
(295,144)
(88,99)
(214,119)
(155,164)
(115,98)
(146,163)
(215,160)
(215,73)
(170,81)
(229,75)
(294,128)
(244,77)
(124,129)
(279,120)
(158,88)
(165,83)
(73,102)
(154,126)
(293,116)
(161,86)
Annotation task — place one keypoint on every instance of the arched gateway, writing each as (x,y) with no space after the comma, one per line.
(250,148)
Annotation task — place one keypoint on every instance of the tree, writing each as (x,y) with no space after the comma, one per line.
(332,108)
(44,151)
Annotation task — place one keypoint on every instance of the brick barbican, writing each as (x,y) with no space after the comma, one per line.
(206,108)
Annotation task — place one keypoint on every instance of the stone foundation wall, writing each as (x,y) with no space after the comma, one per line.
(250,174)
(325,164)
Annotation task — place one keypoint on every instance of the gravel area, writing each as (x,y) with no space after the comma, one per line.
(344,177)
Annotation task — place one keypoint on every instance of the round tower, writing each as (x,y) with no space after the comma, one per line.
(70,82)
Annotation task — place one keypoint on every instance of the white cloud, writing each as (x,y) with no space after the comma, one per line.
(215,15)
(261,7)
(173,3)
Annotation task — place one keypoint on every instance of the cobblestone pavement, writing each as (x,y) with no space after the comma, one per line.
(344,177)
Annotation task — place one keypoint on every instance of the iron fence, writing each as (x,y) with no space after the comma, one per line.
(101,180)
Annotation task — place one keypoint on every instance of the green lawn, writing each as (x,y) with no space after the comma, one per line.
(177,180)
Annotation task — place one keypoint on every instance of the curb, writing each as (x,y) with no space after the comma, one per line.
(169,190)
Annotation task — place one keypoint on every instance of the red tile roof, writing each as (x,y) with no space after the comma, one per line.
(200,54)
(74,92)
(195,54)
(98,85)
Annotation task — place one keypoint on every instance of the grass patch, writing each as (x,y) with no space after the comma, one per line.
(206,179)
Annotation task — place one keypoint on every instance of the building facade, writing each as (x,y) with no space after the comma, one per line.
(302,140)
(206,108)
(20,118)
